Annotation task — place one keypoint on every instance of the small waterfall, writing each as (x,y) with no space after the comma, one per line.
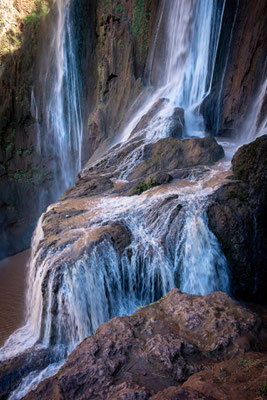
(255,124)
(59,106)
(171,246)
(191,31)
(203,266)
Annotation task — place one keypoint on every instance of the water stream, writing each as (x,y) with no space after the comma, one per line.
(170,242)
(58,104)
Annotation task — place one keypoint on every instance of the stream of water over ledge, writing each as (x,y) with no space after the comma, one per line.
(78,275)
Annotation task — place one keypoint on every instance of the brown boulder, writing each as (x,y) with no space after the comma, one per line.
(237,215)
(156,348)
(171,153)
(241,378)
(250,164)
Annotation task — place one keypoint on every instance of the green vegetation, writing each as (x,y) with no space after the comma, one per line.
(34,175)
(263,389)
(245,363)
(140,25)
(143,186)
(42,8)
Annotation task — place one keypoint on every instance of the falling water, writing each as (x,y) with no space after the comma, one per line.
(191,36)
(60,99)
(256,123)
(170,241)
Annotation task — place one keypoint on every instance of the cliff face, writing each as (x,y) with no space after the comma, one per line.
(240,65)
(124,31)
(22,172)
(114,39)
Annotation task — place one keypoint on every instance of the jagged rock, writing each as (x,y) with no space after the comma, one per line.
(241,378)
(13,370)
(146,119)
(237,213)
(172,153)
(153,350)
(177,123)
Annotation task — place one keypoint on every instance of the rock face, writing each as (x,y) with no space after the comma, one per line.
(171,153)
(150,353)
(124,34)
(237,213)
(242,47)
(13,371)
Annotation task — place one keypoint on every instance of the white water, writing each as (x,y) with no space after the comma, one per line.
(60,108)
(256,122)
(67,300)
(191,36)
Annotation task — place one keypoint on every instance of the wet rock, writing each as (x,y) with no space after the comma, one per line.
(88,186)
(13,370)
(250,165)
(235,85)
(172,153)
(153,180)
(147,118)
(148,354)
(177,123)
(236,215)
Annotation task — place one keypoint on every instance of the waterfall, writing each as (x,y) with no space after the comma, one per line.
(68,297)
(60,99)
(191,31)
(171,246)
(255,124)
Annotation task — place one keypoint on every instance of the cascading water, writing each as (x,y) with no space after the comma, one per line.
(170,242)
(191,35)
(59,105)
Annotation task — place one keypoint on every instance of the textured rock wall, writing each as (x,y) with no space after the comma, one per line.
(124,31)
(240,65)
(24,176)
(237,213)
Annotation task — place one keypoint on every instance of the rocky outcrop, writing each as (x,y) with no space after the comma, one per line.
(240,378)
(172,153)
(174,124)
(240,65)
(149,354)
(236,213)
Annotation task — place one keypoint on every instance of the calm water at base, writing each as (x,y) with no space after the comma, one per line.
(12,293)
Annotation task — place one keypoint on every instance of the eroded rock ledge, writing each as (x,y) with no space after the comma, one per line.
(150,354)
